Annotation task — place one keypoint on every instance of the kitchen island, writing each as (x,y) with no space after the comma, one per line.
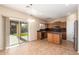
(54,37)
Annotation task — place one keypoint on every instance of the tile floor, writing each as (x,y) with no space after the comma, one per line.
(41,47)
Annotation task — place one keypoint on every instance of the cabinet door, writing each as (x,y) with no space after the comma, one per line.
(50,39)
(56,38)
(38,35)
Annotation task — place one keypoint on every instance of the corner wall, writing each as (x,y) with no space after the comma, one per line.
(70,26)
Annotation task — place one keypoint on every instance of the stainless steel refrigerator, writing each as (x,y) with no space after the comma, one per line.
(76,35)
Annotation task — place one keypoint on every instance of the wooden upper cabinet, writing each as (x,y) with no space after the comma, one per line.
(50,25)
(58,23)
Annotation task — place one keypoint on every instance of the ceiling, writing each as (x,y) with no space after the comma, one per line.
(44,11)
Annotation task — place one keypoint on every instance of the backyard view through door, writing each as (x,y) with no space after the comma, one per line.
(18,32)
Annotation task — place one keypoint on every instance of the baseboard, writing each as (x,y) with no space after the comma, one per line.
(32,40)
(12,46)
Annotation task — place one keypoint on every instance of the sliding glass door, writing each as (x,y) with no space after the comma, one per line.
(18,32)
(13,32)
(23,34)
(24,31)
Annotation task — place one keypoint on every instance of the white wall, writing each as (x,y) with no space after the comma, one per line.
(33,27)
(1,33)
(70,26)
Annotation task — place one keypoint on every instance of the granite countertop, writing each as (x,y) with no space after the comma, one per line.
(51,32)
(41,31)
(55,32)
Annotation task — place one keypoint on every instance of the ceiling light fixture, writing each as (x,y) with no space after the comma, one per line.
(29,5)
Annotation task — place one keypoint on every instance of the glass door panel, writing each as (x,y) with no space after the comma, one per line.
(24,31)
(13,33)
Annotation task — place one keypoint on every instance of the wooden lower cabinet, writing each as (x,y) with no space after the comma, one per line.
(64,35)
(41,35)
(54,37)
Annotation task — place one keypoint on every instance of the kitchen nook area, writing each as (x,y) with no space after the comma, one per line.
(54,32)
